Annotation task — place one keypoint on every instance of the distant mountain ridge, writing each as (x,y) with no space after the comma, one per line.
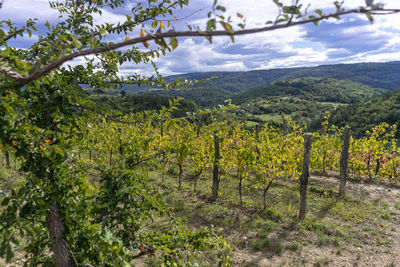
(377,75)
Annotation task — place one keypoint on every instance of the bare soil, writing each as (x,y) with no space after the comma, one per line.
(343,254)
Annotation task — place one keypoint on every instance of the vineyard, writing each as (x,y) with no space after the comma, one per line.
(238,172)
(259,156)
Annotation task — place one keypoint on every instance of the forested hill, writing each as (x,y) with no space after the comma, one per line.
(205,96)
(364,115)
(139,103)
(378,75)
(316,89)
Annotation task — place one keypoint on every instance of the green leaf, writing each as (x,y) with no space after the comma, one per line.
(173,42)
(5,201)
(215,2)
(221,8)
(369,16)
(211,25)
(319,12)
(369,2)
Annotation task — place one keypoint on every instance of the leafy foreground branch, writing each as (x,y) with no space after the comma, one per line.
(113,225)
(159,37)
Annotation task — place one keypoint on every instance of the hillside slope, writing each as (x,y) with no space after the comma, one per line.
(204,96)
(321,90)
(368,113)
(378,75)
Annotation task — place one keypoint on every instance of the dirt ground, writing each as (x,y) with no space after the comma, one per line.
(350,255)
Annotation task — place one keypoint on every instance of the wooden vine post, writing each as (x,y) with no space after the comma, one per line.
(215,184)
(344,161)
(305,175)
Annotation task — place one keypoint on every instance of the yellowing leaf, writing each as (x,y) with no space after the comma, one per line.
(48,141)
(240,15)
(175,17)
(127,38)
(142,33)
(146,44)
(228,27)
(14,143)
(174,43)
(161,25)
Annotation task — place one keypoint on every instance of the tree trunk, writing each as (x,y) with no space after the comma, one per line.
(195,184)
(305,175)
(344,161)
(196,177)
(7,156)
(215,184)
(58,243)
(378,165)
(180,176)
(240,190)
(265,194)
(369,167)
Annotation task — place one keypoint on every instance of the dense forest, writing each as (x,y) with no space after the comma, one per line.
(321,90)
(140,103)
(368,113)
(207,97)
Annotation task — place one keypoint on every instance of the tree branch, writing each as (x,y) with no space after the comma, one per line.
(10,73)
(25,79)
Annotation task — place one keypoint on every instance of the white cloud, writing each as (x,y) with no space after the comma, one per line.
(21,10)
(275,49)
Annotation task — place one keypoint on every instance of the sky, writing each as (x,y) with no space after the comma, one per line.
(352,39)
